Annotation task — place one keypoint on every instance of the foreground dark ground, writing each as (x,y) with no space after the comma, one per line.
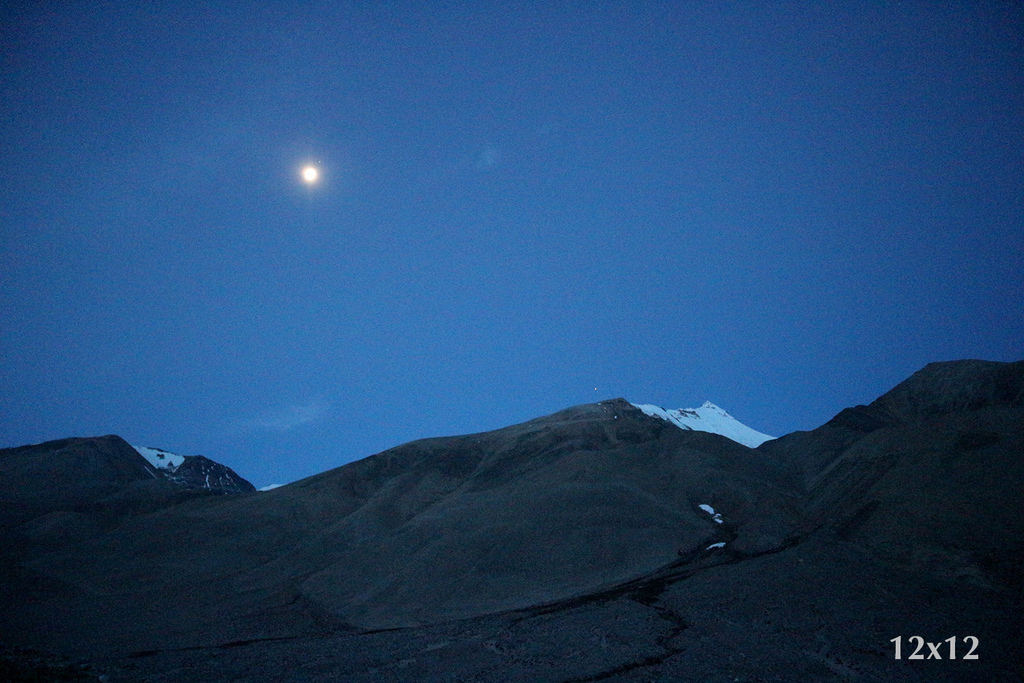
(570,548)
(778,617)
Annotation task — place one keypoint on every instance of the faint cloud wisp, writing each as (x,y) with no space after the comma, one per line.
(488,157)
(291,417)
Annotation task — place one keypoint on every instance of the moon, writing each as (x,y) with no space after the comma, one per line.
(310,174)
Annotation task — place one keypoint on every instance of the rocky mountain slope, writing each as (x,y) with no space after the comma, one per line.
(194,472)
(597,543)
(78,477)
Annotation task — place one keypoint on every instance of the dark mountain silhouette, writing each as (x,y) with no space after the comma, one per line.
(53,483)
(597,543)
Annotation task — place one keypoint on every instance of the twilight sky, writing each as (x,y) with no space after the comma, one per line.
(782,208)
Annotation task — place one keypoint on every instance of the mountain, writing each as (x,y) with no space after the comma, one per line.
(195,471)
(59,489)
(71,474)
(597,543)
(709,418)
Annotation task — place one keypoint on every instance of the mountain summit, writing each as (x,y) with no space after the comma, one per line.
(194,472)
(709,418)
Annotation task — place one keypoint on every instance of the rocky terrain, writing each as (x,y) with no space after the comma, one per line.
(192,472)
(597,543)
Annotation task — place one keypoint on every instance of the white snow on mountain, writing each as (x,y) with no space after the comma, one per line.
(160,459)
(711,511)
(709,418)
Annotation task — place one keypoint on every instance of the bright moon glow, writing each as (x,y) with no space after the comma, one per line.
(310,174)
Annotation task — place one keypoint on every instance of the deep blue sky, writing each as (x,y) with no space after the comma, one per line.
(783,208)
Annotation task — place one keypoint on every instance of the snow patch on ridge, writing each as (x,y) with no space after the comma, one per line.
(711,511)
(161,459)
(708,418)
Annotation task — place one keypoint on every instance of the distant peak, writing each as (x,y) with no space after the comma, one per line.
(708,418)
(159,458)
(194,471)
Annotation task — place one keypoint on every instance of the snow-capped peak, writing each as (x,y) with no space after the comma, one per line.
(161,459)
(193,471)
(708,418)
